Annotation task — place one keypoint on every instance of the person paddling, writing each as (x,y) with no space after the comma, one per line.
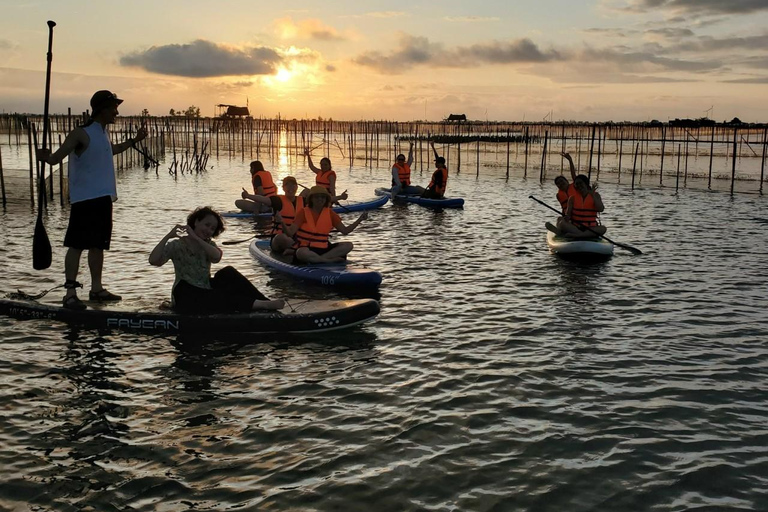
(285,205)
(312,227)
(438,183)
(582,210)
(92,190)
(191,248)
(401,175)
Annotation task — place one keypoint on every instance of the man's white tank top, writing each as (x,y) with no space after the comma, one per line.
(92,174)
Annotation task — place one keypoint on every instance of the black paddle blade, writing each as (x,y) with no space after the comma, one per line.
(41,248)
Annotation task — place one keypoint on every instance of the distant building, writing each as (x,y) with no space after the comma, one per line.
(232,111)
(456,117)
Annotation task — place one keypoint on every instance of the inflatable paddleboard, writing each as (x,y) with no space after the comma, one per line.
(359,206)
(446,202)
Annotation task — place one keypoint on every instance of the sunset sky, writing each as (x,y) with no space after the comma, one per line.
(590,60)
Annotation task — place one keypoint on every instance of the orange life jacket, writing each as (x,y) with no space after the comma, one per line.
(584,211)
(269,187)
(287,212)
(563,196)
(314,233)
(324,179)
(403,174)
(439,190)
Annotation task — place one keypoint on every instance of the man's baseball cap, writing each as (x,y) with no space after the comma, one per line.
(103,99)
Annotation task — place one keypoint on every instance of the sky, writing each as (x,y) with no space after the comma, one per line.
(505,60)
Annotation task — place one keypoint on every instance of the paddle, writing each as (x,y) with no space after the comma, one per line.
(631,249)
(233,242)
(41,245)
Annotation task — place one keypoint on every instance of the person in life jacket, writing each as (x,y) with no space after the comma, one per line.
(263,185)
(564,191)
(313,225)
(580,219)
(401,176)
(437,185)
(285,206)
(325,177)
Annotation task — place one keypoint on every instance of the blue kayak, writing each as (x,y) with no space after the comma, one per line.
(332,274)
(446,202)
(359,206)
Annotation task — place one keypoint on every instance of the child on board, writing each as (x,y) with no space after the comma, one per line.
(285,205)
(438,183)
(401,175)
(582,211)
(312,227)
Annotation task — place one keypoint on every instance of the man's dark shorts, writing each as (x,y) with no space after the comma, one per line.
(90,224)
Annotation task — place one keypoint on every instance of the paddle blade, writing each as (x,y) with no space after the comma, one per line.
(41,247)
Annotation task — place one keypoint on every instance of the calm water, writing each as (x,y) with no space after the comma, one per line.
(496,378)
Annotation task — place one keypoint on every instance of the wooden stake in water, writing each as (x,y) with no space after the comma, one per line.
(733,164)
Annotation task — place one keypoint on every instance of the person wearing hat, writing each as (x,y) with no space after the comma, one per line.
(285,206)
(401,175)
(436,187)
(313,225)
(92,189)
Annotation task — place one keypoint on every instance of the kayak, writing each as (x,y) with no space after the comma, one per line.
(331,274)
(583,248)
(139,316)
(446,202)
(359,206)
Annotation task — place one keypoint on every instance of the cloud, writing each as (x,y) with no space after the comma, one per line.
(412,51)
(754,80)
(201,59)
(330,68)
(5,44)
(700,7)
(668,33)
(710,44)
(471,19)
(377,14)
(307,29)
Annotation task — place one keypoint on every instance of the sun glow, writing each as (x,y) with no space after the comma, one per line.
(283,75)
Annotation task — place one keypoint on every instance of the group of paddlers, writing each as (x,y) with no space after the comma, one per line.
(301,223)
(580,204)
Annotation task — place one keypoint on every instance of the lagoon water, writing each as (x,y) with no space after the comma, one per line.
(496,378)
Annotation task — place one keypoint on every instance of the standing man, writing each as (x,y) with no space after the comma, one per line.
(92,189)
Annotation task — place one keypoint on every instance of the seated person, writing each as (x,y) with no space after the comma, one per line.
(285,207)
(191,248)
(263,185)
(312,227)
(439,181)
(582,211)
(401,176)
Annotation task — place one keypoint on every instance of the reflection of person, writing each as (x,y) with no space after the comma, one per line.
(582,211)
(401,175)
(192,252)
(312,227)
(285,206)
(92,189)
(439,181)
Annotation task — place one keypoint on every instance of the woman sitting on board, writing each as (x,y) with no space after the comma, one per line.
(325,177)
(312,227)
(582,210)
(192,250)
(287,205)
(401,176)
(564,191)
(263,185)
(437,185)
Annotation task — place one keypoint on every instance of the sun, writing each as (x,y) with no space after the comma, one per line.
(283,75)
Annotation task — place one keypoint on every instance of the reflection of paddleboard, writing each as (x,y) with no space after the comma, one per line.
(311,316)
(360,206)
(446,202)
(332,274)
(595,248)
